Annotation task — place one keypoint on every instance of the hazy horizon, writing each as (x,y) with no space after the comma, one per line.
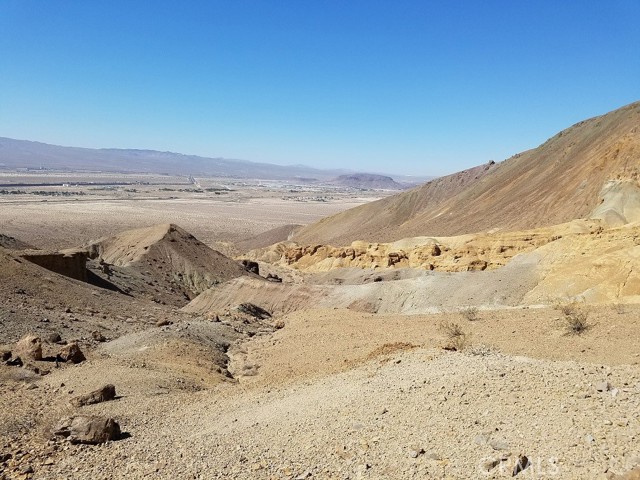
(428,89)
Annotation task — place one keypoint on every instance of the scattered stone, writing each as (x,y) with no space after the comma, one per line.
(491,464)
(254,310)
(162,323)
(29,348)
(54,338)
(15,362)
(98,336)
(416,452)
(5,354)
(31,367)
(104,394)
(72,353)
(603,387)
(274,278)
(251,266)
(88,429)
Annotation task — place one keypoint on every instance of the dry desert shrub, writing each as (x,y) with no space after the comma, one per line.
(457,338)
(577,322)
(566,308)
(470,313)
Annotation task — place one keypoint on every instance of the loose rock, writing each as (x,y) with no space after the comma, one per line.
(72,353)
(88,429)
(29,348)
(104,394)
(98,336)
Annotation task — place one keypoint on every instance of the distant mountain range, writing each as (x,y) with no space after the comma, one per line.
(36,155)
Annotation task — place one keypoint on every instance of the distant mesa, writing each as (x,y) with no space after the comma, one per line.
(368,181)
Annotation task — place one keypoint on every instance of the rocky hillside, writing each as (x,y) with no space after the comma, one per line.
(588,170)
(163,262)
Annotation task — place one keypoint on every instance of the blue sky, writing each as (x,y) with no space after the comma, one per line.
(396,86)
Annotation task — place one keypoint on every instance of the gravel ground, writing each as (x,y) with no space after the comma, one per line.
(422,413)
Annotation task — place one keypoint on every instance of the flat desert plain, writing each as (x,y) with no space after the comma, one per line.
(215,210)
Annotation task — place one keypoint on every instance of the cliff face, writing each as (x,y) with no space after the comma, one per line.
(71,264)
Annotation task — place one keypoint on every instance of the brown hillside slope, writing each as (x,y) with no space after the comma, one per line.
(38,301)
(561,180)
(162,262)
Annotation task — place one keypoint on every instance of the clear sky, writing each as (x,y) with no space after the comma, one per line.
(416,87)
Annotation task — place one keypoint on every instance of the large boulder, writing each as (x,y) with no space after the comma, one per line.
(28,348)
(89,429)
(72,353)
(104,394)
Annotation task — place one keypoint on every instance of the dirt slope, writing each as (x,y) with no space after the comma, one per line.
(337,394)
(264,239)
(432,291)
(163,262)
(13,243)
(36,300)
(594,161)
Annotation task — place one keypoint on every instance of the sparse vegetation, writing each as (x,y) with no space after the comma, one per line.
(575,317)
(567,308)
(470,313)
(457,338)
(577,322)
